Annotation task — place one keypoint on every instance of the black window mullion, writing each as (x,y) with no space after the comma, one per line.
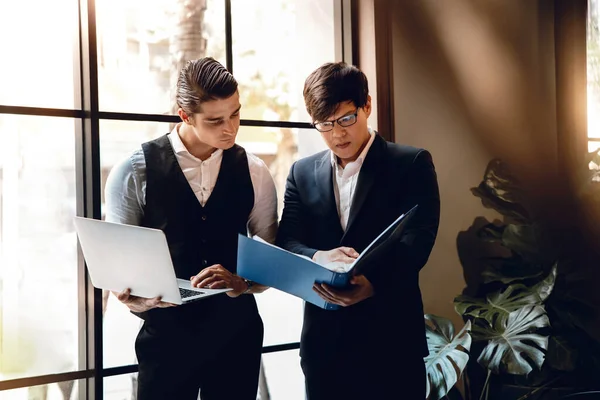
(90,165)
(18,383)
(228,37)
(43,112)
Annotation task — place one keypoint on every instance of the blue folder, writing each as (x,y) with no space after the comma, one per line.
(295,274)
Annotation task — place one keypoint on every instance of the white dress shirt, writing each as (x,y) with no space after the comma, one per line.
(125,190)
(345,179)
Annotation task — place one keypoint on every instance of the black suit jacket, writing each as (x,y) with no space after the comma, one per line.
(392,179)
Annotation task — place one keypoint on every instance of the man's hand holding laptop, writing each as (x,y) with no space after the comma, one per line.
(141,304)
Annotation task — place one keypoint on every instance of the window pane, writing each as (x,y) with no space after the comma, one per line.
(38,247)
(120,387)
(54,391)
(141,45)
(283,375)
(593,69)
(279,148)
(118,139)
(39,53)
(276,44)
(282,316)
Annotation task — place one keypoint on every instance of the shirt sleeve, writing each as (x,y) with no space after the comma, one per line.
(263,217)
(125,190)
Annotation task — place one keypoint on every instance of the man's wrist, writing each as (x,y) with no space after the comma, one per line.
(249,285)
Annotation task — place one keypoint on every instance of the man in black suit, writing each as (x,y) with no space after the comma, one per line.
(336,202)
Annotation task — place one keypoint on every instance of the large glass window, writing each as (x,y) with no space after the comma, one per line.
(593,73)
(276,44)
(120,387)
(143,44)
(66,390)
(38,247)
(39,54)
(283,376)
(48,160)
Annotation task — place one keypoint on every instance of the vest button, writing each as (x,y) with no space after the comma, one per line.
(204,218)
(203,241)
(204,263)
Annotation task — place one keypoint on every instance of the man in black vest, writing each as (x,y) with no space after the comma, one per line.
(202,190)
(338,201)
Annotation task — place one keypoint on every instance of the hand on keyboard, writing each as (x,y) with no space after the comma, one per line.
(218,277)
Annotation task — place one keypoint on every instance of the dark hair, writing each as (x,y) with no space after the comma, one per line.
(203,80)
(332,84)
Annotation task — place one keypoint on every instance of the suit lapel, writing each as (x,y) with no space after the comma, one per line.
(366,177)
(324,184)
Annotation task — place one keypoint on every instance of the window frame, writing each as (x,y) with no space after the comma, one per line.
(91,370)
(589,139)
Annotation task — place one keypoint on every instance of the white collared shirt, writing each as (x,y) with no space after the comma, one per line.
(201,175)
(125,190)
(345,179)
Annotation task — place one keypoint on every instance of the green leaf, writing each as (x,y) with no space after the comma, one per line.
(526,241)
(593,156)
(571,305)
(491,232)
(501,303)
(561,355)
(500,191)
(496,304)
(544,288)
(509,269)
(499,180)
(448,355)
(528,252)
(490,200)
(513,347)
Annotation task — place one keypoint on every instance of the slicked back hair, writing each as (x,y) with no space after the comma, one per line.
(203,80)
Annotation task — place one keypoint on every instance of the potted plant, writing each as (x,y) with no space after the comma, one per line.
(528,321)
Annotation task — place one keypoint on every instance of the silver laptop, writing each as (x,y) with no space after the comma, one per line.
(122,256)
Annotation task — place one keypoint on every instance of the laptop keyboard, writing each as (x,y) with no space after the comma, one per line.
(188,293)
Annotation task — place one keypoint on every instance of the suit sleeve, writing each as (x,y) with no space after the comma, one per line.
(410,255)
(292,231)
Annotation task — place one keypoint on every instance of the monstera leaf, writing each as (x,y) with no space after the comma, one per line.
(489,200)
(529,242)
(500,304)
(448,355)
(526,241)
(499,181)
(561,356)
(513,346)
(500,191)
(509,269)
(593,161)
(491,232)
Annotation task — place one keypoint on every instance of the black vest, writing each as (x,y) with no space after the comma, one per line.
(199,236)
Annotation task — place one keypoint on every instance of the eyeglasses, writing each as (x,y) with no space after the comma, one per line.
(345,121)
